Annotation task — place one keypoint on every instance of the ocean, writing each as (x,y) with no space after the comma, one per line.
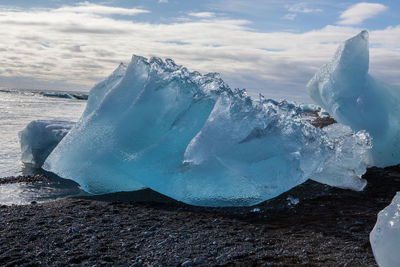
(17,109)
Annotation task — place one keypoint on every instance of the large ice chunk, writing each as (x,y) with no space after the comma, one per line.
(345,89)
(385,237)
(39,138)
(192,138)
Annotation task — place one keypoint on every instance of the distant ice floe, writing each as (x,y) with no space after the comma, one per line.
(189,136)
(55,94)
(344,88)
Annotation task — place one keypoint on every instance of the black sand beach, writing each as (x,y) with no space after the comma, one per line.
(328,227)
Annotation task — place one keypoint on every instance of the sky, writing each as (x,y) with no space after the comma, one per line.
(271,47)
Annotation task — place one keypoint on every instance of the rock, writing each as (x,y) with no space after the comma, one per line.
(137,264)
(187,263)
(355,228)
(220,257)
(148,234)
(198,261)
(69,219)
(249,239)
(73,230)
(153,228)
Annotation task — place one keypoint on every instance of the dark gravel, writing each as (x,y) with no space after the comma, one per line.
(24,179)
(327,227)
(317,121)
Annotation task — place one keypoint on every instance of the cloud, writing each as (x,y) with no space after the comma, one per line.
(356,14)
(202,14)
(162,1)
(64,49)
(290,16)
(90,8)
(302,8)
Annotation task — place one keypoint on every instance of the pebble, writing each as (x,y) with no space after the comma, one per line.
(219,257)
(73,230)
(148,234)
(355,228)
(179,237)
(90,230)
(187,263)
(137,264)
(198,261)
(40,254)
(153,228)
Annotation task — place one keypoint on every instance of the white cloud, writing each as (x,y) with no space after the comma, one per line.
(64,49)
(290,16)
(202,14)
(86,7)
(356,14)
(162,1)
(302,8)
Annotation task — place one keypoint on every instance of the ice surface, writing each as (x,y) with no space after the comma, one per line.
(345,89)
(189,136)
(385,237)
(39,138)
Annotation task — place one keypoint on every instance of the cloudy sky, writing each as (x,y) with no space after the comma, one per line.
(268,46)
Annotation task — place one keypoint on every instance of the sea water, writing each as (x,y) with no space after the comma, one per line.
(17,109)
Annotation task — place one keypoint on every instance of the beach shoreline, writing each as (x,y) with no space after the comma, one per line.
(310,225)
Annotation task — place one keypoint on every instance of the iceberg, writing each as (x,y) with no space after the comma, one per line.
(39,138)
(189,136)
(385,237)
(344,88)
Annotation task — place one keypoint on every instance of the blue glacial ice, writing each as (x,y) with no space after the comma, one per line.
(189,136)
(344,88)
(385,237)
(39,138)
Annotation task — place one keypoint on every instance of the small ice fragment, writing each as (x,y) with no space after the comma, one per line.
(39,138)
(292,201)
(385,237)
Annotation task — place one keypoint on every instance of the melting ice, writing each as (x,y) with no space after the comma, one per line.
(353,97)
(385,237)
(39,138)
(189,136)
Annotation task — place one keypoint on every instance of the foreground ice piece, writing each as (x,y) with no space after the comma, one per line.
(39,138)
(385,237)
(345,89)
(188,136)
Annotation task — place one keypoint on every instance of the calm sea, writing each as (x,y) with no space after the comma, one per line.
(17,109)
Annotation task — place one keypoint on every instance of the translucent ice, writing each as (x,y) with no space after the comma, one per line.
(155,124)
(385,237)
(345,89)
(39,138)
